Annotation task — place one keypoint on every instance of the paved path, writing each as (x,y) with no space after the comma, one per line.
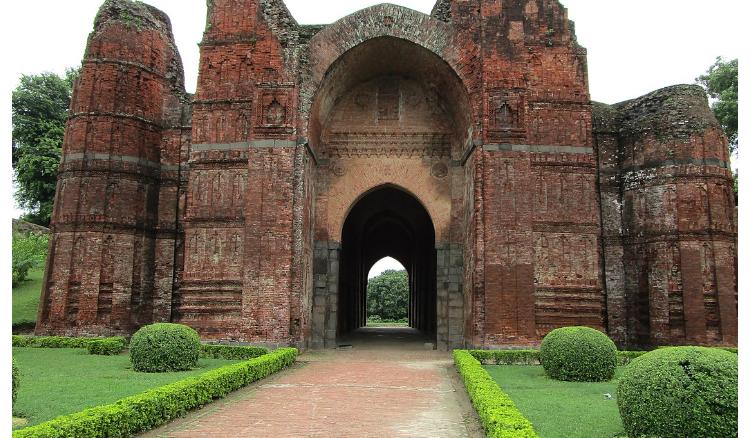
(386,388)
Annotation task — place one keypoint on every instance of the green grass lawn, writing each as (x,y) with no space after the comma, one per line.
(387,324)
(26,297)
(57,381)
(561,409)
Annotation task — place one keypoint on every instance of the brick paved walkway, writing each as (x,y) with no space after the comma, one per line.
(375,389)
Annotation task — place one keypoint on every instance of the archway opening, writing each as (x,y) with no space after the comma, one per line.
(387,221)
(388,294)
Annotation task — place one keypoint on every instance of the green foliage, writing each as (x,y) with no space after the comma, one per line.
(388,295)
(61,381)
(161,347)
(40,108)
(680,392)
(54,341)
(578,354)
(496,410)
(218,351)
(376,319)
(132,415)
(29,252)
(107,347)
(560,409)
(721,82)
(531,357)
(506,357)
(625,357)
(14,383)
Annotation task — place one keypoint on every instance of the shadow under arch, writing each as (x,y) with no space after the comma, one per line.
(387,221)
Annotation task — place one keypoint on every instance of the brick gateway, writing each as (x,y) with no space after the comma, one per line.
(463,143)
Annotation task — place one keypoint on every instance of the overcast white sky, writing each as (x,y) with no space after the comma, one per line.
(634,46)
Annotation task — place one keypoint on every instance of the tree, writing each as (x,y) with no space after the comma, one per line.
(388,295)
(40,108)
(721,83)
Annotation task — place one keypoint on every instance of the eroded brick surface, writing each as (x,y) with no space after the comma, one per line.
(209,209)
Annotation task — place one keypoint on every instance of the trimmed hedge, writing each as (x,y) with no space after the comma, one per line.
(496,410)
(531,357)
(506,357)
(578,354)
(231,352)
(14,383)
(107,347)
(54,341)
(138,413)
(680,392)
(164,346)
(625,357)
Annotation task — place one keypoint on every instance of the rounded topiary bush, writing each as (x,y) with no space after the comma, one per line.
(15,382)
(578,354)
(680,392)
(164,347)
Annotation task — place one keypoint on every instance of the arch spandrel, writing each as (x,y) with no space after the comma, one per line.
(346,190)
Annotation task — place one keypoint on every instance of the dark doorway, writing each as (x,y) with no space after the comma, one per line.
(387,221)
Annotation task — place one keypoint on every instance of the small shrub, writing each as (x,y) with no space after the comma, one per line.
(231,352)
(29,251)
(164,347)
(580,354)
(680,392)
(15,382)
(107,347)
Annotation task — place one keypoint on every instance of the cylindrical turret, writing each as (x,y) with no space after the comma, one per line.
(100,273)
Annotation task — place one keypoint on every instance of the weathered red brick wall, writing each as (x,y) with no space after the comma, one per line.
(540,218)
(244,263)
(673,221)
(224,210)
(108,270)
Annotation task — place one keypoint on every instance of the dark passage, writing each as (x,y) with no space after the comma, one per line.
(387,222)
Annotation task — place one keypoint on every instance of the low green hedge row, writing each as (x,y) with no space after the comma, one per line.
(231,352)
(14,382)
(131,415)
(531,357)
(213,351)
(54,341)
(506,357)
(107,347)
(496,410)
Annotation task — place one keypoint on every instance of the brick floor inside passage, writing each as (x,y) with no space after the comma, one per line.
(386,385)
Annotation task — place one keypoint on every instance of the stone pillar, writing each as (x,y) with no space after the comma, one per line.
(325,294)
(450,300)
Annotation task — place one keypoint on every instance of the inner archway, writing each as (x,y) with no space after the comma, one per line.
(388,294)
(387,221)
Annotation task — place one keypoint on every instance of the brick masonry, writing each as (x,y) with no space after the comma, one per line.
(226,209)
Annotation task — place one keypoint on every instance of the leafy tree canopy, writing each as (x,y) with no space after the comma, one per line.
(721,83)
(40,108)
(388,295)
